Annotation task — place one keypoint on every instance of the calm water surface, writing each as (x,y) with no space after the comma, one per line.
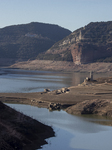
(17,81)
(72,132)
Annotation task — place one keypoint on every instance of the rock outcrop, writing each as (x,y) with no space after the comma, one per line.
(54,106)
(87,44)
(97,106)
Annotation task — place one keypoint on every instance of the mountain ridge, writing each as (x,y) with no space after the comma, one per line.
(26,41)
(88,44)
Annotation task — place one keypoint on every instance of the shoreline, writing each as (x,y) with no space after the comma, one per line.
(90,97)
(63,66)
(101,89)
(19,131)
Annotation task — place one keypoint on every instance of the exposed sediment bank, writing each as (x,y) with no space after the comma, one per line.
(90,97)
(102,107)
(100,89)
(63,66)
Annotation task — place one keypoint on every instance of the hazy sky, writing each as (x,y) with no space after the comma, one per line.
(70,14)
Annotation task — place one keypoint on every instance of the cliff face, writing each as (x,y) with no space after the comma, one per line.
(90,52)
(85,45)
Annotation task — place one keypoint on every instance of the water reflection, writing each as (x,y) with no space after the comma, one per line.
(103,120)
(25,81)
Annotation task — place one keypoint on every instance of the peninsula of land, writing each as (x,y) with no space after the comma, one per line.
(22,132)
(30,47)
(90,97)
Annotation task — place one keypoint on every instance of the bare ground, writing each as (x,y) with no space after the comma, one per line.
(87,98)
(100,89)
(93,97)
(62,66)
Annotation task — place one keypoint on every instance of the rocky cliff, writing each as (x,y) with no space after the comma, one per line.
(87,44)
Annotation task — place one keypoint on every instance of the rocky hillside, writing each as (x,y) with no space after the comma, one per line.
(21,132)
(100,107)
(88,44)
(26,41)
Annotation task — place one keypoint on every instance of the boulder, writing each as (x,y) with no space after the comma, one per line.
(63,90)
(58,92)
(54,106)
(33,100)
(46,90)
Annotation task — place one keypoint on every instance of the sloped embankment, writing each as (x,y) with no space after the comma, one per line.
(101,107)
(18,131)
(62,66)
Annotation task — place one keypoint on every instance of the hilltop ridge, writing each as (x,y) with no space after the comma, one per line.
(26,41)
(37,41)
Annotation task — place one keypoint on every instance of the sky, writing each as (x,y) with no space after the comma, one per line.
(70,14)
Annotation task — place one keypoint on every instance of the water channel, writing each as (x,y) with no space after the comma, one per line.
(72,132)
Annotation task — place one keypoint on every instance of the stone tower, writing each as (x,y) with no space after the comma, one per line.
(91,75)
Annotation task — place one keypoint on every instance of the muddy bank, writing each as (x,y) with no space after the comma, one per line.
(21,132)
(101,104)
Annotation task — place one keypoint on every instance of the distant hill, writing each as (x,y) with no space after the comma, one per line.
(26,41)
(88,44)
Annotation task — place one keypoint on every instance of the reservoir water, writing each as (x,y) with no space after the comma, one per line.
(72,132)
(25,81)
